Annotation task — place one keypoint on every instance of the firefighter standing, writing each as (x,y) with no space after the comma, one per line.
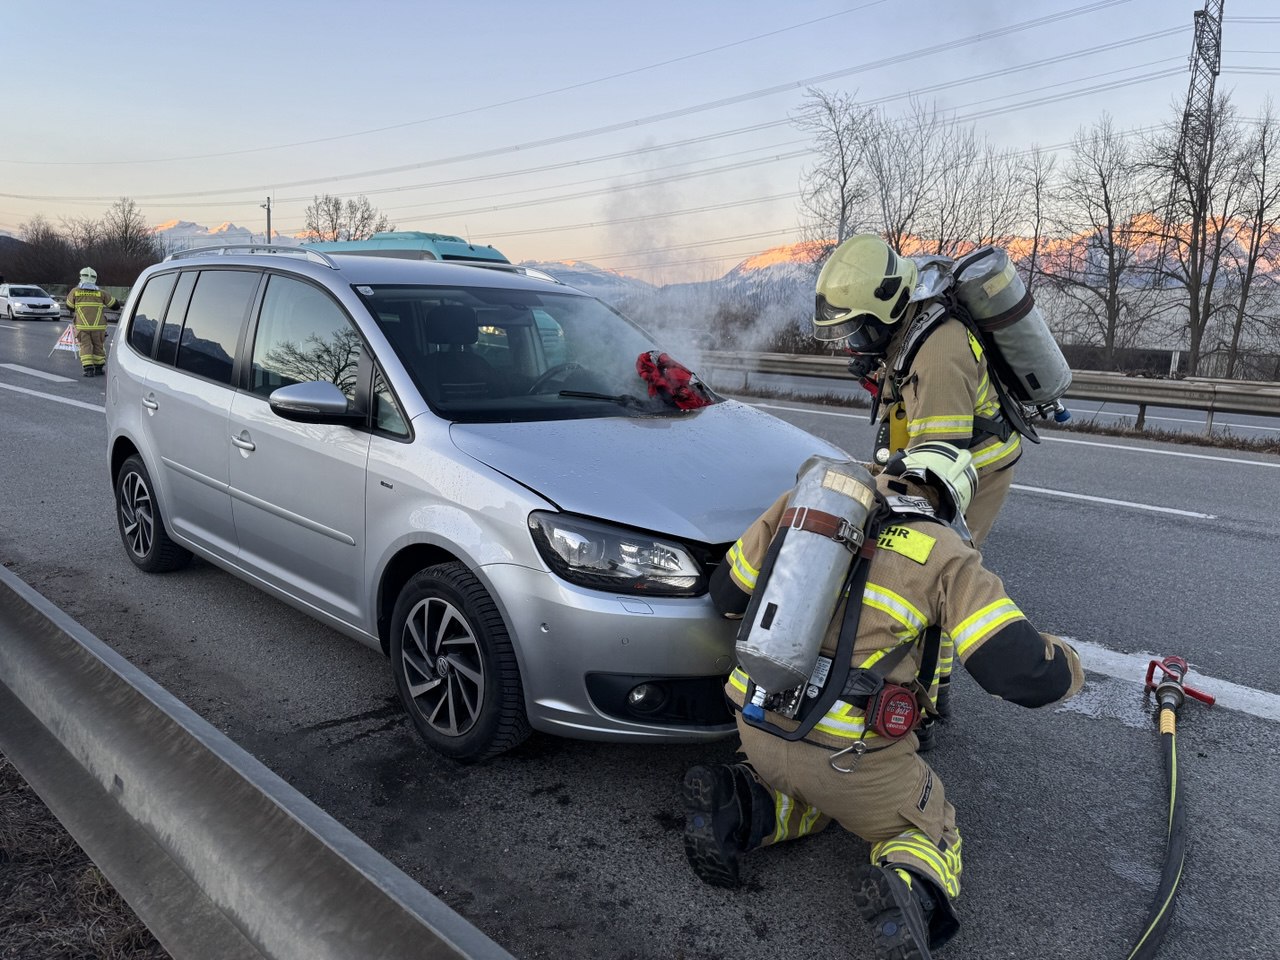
(934,380)
(931,375)
(88,306)
(922,575)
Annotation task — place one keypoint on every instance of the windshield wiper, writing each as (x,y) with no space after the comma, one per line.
(621,399)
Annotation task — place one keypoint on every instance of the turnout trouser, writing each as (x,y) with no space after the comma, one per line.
(92,351)
(892,799)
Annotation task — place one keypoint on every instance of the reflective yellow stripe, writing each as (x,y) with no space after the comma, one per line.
(996,452)
(984,623)
(916,845)
(782,810)
(983,386)
(926,426)
(975,345)
(738,679)
(808,820)
(838,723)
(896,606)
(744,571)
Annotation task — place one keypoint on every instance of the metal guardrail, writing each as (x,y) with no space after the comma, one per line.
(1193,393)
(217,855)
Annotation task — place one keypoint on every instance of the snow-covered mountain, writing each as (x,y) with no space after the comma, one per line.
(184,235)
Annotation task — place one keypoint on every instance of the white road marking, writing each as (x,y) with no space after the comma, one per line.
(32,372)
(1166,453)
(1216,423)
(1117,503)
(10,326)
(1127,666)
(56,399)
(1086,443)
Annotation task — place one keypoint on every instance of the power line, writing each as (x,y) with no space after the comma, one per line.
(878,101)
(462,113)
(919,53)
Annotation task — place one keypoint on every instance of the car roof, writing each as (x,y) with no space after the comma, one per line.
(358,269)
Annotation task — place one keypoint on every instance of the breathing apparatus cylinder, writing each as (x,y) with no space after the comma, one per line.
(814,547)
(989,287)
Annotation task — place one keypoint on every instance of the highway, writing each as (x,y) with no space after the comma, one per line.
(572,850)
(1166,419)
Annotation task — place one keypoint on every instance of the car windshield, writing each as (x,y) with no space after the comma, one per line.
(27,292)
(482,354)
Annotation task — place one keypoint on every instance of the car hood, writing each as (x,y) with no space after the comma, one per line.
(703,475)
(35,301)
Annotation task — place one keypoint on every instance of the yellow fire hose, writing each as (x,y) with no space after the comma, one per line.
(1171,693)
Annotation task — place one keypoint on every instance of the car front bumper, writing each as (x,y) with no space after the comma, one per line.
(583,652)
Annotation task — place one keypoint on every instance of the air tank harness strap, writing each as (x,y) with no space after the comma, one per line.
(986,427)
(824,524)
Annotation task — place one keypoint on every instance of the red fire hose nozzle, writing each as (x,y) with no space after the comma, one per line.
(1173,671)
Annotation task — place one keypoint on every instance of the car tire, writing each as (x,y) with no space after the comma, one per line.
(454,666)
(142,529)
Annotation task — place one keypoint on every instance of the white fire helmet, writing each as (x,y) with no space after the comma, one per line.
(945,467)
(863,291)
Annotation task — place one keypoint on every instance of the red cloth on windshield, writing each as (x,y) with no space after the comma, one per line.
(672,380)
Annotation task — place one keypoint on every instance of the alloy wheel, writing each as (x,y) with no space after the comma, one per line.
(137,514)
(443,667)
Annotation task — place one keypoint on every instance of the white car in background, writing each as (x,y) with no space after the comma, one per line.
(22,301)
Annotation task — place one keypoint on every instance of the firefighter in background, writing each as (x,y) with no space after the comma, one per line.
(88,306)
(923,574)
(929,370)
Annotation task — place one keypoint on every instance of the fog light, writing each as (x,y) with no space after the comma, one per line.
(646,698)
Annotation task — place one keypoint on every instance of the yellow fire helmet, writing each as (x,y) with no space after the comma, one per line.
(943,466)
(863,290)
(88,275)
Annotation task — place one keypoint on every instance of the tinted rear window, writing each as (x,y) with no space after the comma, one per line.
(218,308)
(150,310)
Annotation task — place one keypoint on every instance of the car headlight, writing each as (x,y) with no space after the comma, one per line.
(603,557)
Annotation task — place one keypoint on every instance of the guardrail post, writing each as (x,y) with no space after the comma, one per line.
(1141,423)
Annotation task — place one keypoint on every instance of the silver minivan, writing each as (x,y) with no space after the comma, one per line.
(458,464)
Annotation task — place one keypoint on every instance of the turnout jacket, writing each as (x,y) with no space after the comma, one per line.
(88,305)
(922,573)
(939,391)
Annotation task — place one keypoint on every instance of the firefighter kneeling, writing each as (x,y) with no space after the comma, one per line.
(841,745)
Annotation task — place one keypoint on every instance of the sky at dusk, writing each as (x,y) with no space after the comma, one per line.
(655,139)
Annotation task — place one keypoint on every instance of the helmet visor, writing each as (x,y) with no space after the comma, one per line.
(832,324)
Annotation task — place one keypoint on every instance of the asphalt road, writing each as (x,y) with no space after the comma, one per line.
(572,850)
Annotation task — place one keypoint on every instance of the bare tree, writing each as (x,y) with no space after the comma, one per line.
(1100,198)
(834,191)
(1205,199)
(1257,234)
(906,157)
(1034,175)
(329,218)
(125,245)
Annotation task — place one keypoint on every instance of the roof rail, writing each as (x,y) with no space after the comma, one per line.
(314,256)
(530,272)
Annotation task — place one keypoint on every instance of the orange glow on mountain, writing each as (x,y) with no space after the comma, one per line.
(804,252)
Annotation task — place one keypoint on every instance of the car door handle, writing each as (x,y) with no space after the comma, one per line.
(150,403)
(243,441)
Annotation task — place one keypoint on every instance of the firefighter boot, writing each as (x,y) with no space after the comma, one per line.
(908,916)
(943,702)
(91,371)
(927,734)
(727,813)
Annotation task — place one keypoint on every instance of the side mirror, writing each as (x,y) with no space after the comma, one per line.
(317,401)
